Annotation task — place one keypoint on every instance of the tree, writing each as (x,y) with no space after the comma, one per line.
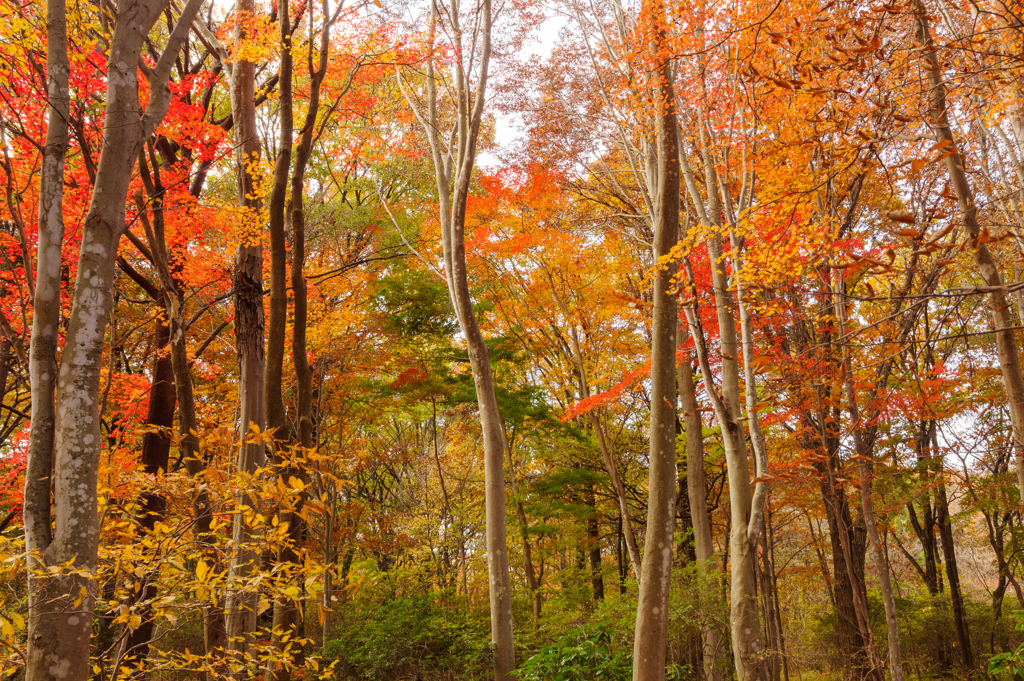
(453,166)
(650,640)
(59,643)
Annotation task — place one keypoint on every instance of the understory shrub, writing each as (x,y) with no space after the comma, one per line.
(414,637)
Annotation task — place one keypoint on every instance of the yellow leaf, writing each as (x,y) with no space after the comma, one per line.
(13,572)
(6,629)
(202,569)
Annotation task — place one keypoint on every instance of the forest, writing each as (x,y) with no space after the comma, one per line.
(577,340)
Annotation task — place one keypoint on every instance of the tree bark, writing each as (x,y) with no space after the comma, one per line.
(287,613)
(745,627)
(240,605)
(945,525)
(156,449)
(620,491)
(532,578)
(650,638)
(865,464)
(43,648)
(594,545)
(172,294)
(696,490)
(62,604)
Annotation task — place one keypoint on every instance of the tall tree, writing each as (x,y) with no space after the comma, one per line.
(453,161)
(650,638)
(43,343)
(63,602)
(240,618)
(985,263)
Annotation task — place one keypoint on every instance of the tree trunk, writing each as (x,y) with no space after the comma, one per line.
(767,573)
(925,531)
(452,175)
(240,605)
(963,636)
(988,270)
(287,612)
(173,297)
(696,490)
(650,638)
(156,449)
(745,514)
(594,545)
(855,653)
(532,580)
(745,627)
(865,464)
(43,647)
(620,490)
(60,621)
(277,310)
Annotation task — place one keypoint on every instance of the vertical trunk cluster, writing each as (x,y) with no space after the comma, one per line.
(287,612)
(650,638)
(60,619)
(847,533)
(156,442)
(171,292)
(865,464)
(746,506)
(936,517)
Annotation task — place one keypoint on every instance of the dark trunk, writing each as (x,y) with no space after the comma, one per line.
(924,528)
(156,449)
(953,578)
(848,583)
(594,546)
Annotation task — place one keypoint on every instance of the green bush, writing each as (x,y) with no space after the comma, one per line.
(580,656)
(413,637)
